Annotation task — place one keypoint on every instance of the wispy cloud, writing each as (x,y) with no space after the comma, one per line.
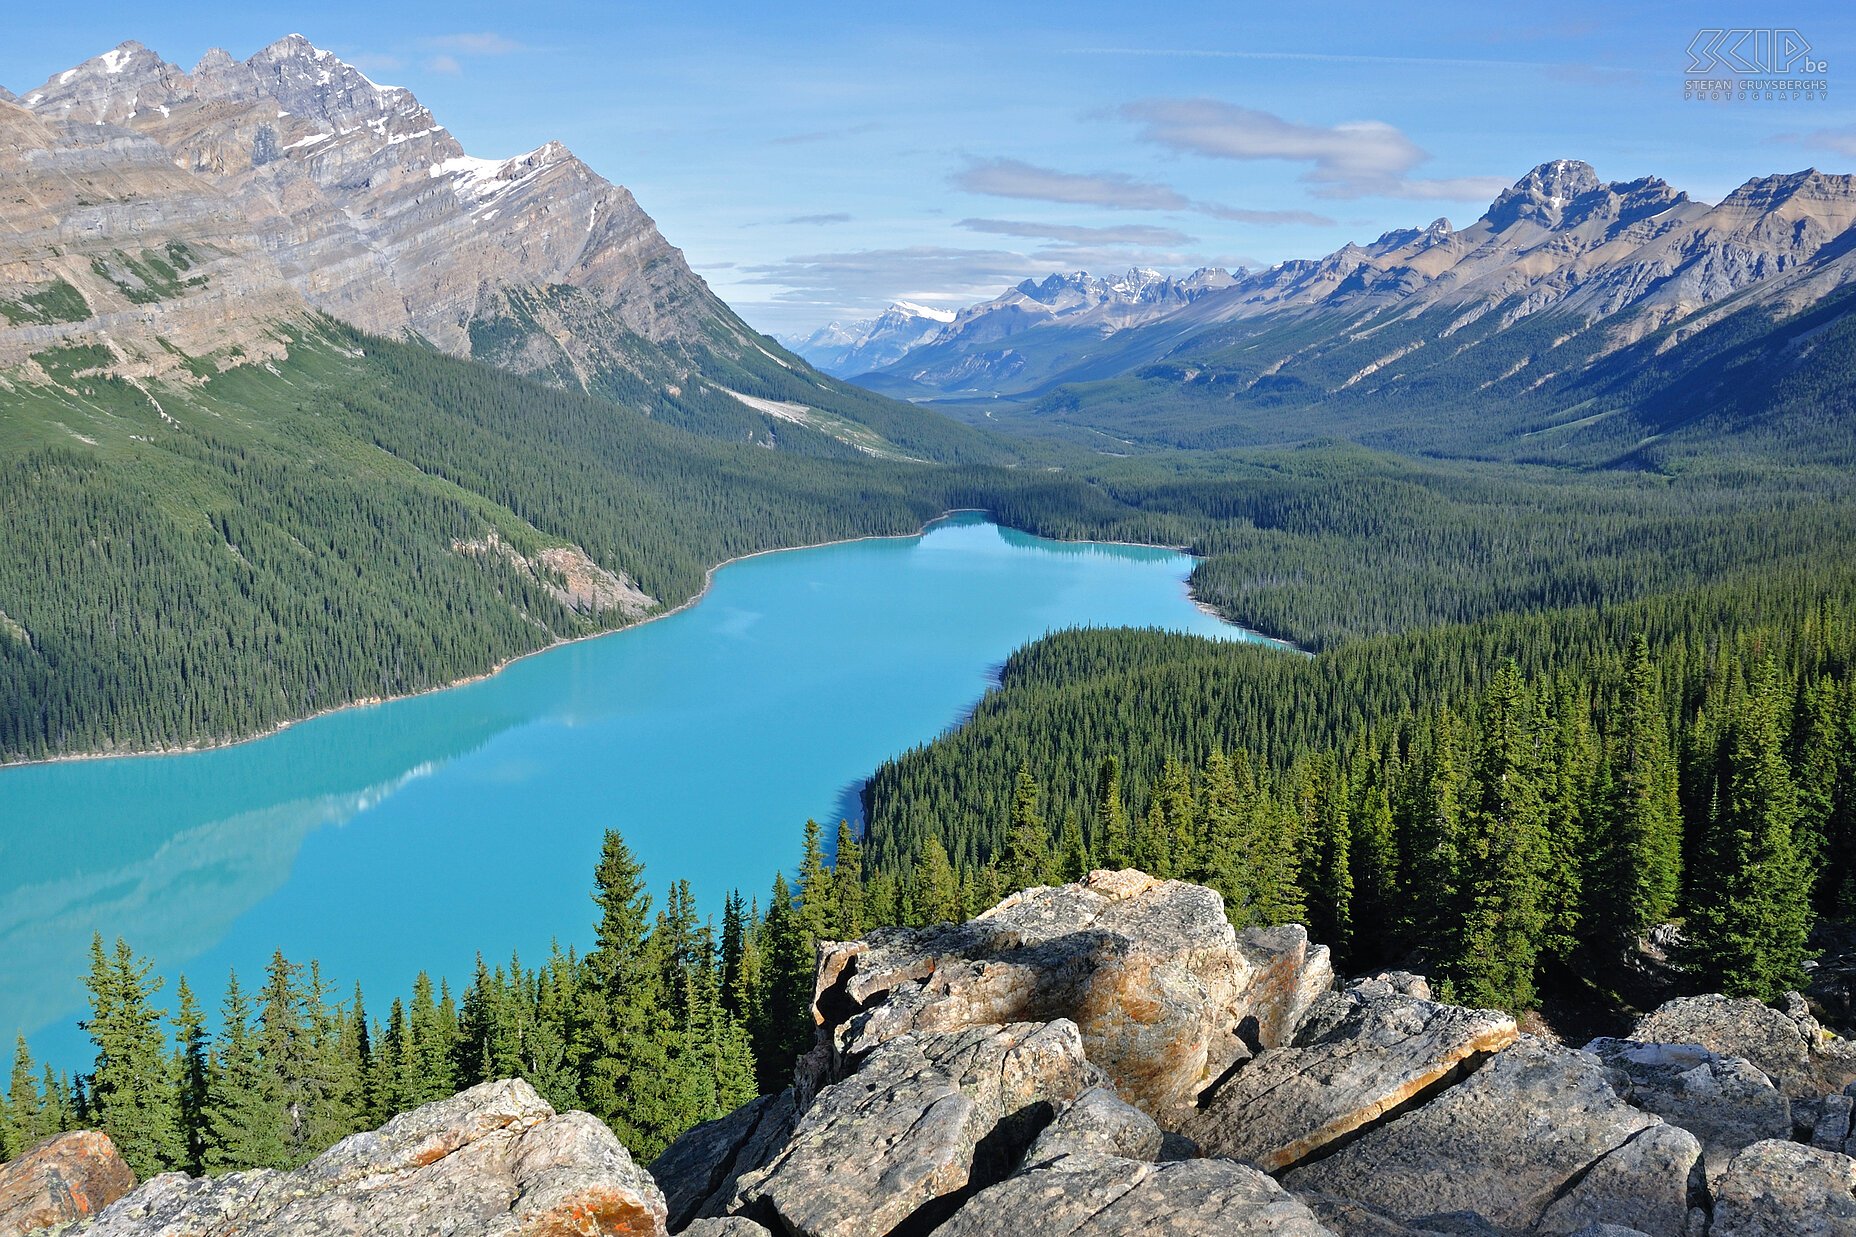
(481,43)
(1218,53)
(377,62)
(824,135)
(1842,141)
(833,217)
(1129,234)
(1348,160)
(448,65)
(1014,178)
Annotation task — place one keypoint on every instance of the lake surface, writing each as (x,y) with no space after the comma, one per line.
(413,834)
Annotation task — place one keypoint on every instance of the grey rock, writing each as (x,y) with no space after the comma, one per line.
(1359,1055)
(1830,1130)
(1351,1218)
(1099,1122)
(1102,1196)
(1504,1144)
(493,1161)
(726,1226)
(1609,1230)
(924,1120)
(1644,1184)
(700,1171)
(1149,970)
(1797,1054)
(1782,1189)
(1728,1103)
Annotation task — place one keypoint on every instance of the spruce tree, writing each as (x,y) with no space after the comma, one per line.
(1496,947)
(1750,916)
(1111,817)
(1223,861)
(132,1090)
(847,863)
(1026,859)
(244,1107)
(25,1113)
(936,889)
(1637,865)
(1327,876)
(193,1072)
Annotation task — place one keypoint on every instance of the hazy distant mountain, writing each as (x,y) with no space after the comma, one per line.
(872,343)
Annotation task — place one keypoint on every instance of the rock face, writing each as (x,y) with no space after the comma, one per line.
(1790,1047)
(1510,1143)
(493,1160)
(61,1179)
(1091,1195)
(291,183)
(1726,1102)
(1780,1189)
(1166,995)
(1358,1056)
(925,1120)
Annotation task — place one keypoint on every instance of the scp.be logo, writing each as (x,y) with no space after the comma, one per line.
(1742,50)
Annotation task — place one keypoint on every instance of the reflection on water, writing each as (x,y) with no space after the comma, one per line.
(416,833)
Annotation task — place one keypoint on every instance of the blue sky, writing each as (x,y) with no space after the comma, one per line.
(816,161)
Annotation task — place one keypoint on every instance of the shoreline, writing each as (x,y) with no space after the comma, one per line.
(708,581)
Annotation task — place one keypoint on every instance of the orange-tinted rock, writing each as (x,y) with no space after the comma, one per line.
(64,1178)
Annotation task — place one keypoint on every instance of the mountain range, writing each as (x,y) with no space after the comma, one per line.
(1546,308)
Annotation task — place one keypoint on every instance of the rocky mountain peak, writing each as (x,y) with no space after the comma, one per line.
(1544,194)
(111,88)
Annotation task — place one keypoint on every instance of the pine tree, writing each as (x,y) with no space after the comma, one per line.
(26,1120)
(847,864)
(1178,808)
(1567,775)
(1222,862)
(1750,918)
(1373,866)
(193,1071)
(1111,819)
(1073,864)
(244,1107)
(818,903)
(1637,870)
(1497,944)
(132,1092)
(1026,859)
(785,1026)
(936,889)
(1327,876)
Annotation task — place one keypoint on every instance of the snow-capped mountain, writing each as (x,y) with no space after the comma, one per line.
(1612,262)
(858,347)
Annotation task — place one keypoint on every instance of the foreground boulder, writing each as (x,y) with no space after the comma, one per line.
(1781,1189)
(1167,996)
(1536,1137)
(493,1160)
(64,1178)
(926,1120)
(1790,1048)
(1728,1103)
(1358,1055)
(1091,1195)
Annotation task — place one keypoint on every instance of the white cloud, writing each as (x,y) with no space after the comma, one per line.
(1014,178)
(1348,160)
(448,65)
(1129,234)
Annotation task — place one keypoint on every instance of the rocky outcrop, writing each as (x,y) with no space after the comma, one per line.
(1053,1068)
(63,1178)
(1789,1046)
(493,1160)
(1513,1142)
(1091,1195)
(1358,1056)
(1726,1102)
(925,1121)
(1167,996)
(1780,1189)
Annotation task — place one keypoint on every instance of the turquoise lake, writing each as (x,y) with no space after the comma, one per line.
(413,834)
